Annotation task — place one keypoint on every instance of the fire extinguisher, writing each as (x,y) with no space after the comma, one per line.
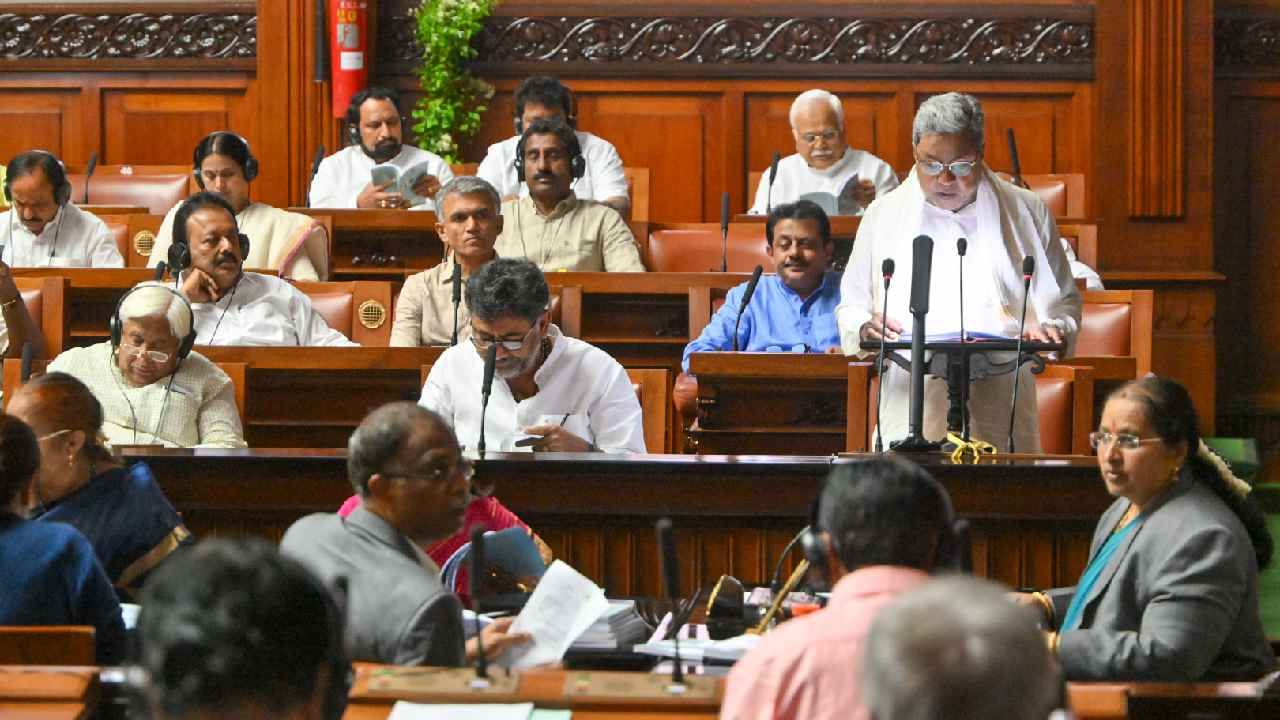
(349,58)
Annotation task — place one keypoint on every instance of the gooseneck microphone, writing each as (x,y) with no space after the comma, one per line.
(477,585)
(88,173)
(724,231)
(961,246)
(773,174)
(161,268)
(457,299)
(1028,269)
(1016,175)
(671,577)
(886,269)
(28,354)
(921,276)
(746,298)
(486,386)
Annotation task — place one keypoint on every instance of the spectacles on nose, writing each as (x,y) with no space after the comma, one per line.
(154,356)
(52,435)
(810,138)
(1124,441)
(959,168)
(484,343)
(463,467)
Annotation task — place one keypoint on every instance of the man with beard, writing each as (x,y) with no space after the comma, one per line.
(374,131)
(231,306)
(550,392)
(553,227)
(793,310)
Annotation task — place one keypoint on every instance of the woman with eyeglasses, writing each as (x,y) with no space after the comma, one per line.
(1171,589)
(122,511)
(153,388)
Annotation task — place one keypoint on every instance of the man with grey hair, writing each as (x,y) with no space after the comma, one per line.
(958,648)
(824,163)
(550,392)
(469,221)
(951,194)
(409,471)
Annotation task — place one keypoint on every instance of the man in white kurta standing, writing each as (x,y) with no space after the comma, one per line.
(824,162)
(952,194)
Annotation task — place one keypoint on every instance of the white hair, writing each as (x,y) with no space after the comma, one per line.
(948,114)
(812,96)
(153,298)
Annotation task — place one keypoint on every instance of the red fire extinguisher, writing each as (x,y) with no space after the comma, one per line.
(349,55)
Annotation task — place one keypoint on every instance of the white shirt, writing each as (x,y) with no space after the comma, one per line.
(345,173)
(263,310)
(795,178)
(577,379)
(602,180)
(74,238)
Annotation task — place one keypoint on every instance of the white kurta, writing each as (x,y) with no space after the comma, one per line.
(292,243)
(263,310)
(603,179)
(1080,271)
(577,379)
(197,410)
(795,178)
(345,173)
(1004,223)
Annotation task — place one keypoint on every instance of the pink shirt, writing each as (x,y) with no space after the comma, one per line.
(809,667)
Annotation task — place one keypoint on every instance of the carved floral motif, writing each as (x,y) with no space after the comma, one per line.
(1244,42)
(133,35)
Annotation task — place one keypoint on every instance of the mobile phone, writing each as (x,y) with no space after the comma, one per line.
(528,440)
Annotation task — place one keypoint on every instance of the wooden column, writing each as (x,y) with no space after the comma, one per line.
(1156,174)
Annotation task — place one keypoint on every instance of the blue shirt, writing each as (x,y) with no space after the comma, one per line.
(776,320)
(52,577)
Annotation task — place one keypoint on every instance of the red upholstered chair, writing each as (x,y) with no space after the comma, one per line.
(651,390)
(360,309)
(119,227)
(45,298)
(1115,334)
(1064,395)
(698,247)
(155,187)
(1063,193)
(1083,238)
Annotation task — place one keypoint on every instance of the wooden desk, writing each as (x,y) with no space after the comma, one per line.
(48,692)
(90,297)
(361,236)
(1032,516)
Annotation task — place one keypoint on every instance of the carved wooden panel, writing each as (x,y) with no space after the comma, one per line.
(1247,43)
(1157,175)
(160,128)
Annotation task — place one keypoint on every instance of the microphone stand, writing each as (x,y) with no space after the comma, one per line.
(457,299)
(884,322)
(481,680)
(490,359)
(1017,360)
(961,246)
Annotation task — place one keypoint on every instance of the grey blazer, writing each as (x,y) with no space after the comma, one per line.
(397,610)
(1177,602)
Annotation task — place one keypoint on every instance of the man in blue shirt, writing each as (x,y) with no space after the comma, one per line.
(792,310)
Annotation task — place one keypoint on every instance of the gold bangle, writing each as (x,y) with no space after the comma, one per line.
(1045,605)
(9,304)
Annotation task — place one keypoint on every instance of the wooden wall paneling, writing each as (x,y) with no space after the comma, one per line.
(38,118)
(151,126)
(1157,183)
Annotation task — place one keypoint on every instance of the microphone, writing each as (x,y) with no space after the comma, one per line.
(1016,175)
(724,231)
(486,386)
(315,168)
(1028,269)
(671,576)
(961,246)
(746,298)
(773,173)
(921,276)
(88,173)
(161,268)
(886,269)
(28,351)
(477,571)
(457,300)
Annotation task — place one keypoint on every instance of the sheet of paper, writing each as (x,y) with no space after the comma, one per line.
(560,609)
(418,711)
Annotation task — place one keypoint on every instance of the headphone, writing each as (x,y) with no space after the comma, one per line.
(353,109)
(577,163)
(116,325)
(949,554)
(241,154)
(179,255)
(53,170)
(568,103)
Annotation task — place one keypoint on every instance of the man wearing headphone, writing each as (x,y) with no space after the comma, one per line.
(553,227)
(346,179)
(293,244)
(541,97)
(42,228)
(879,527)
(232,306)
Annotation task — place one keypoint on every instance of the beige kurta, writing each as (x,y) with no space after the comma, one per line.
(579,235)
(424,311)
(294,244)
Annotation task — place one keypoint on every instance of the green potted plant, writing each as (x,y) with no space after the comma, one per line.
(453,99)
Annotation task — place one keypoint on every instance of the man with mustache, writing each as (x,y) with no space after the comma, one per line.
(553,227)
(824,162)
(374,131)
(42,228)
(231,306)
(550,392)
(792,310)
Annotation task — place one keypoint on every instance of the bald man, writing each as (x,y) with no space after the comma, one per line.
(824,162)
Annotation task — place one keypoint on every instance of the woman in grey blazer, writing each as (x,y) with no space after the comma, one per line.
(1171,589)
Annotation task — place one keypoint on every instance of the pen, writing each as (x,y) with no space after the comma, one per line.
(565,419)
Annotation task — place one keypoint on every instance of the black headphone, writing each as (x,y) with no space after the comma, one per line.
(116,325)
(53,170)
(577,163)
(180,252)
(948,555)
(360,98)
(210,146)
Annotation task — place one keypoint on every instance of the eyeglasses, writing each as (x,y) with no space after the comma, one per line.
(154,356)
(1124,441)
(810,138)
(463,466)
(483,344)
(959,168)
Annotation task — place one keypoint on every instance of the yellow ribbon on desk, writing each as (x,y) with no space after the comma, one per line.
(977,447)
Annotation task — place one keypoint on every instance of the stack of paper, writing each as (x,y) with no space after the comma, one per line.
(619,627)
(561,608)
